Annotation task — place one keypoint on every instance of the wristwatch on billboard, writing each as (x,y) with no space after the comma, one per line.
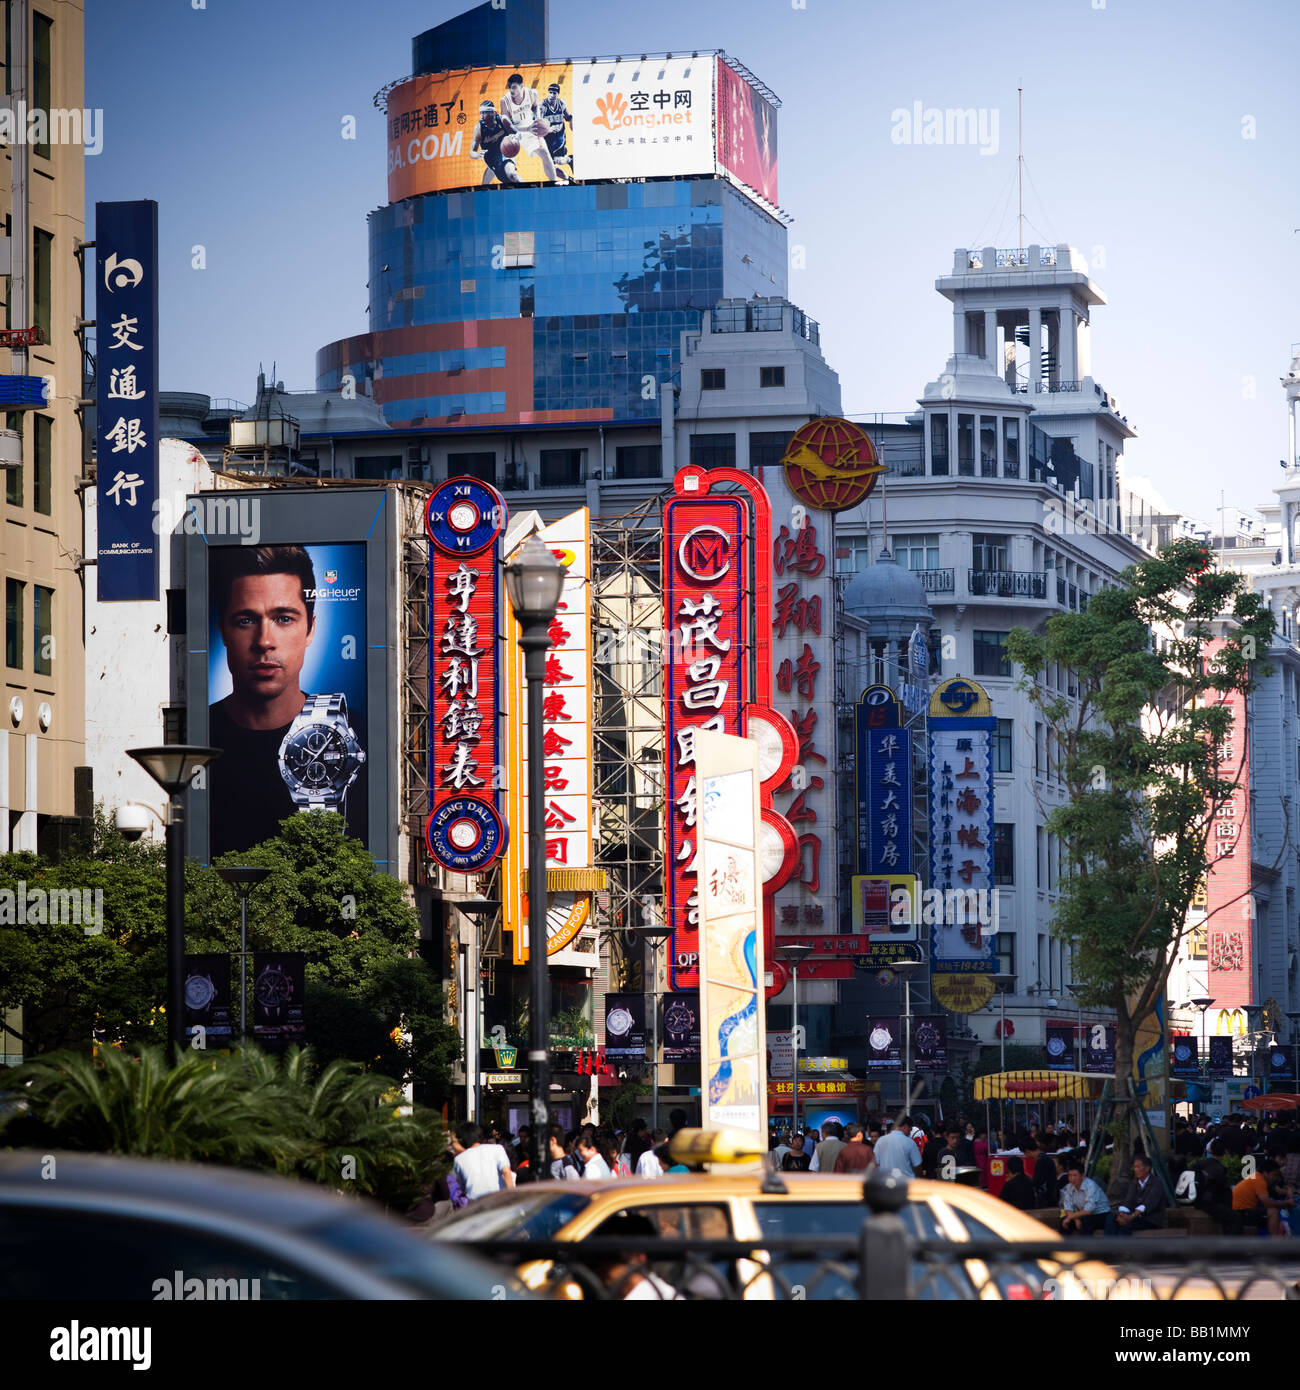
(199,992)
(321,756)
(273,991)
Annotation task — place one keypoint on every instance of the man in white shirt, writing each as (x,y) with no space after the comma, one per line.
(481,1168)
(648,1165)
(896,1153)
(593,1165)
(782,1148)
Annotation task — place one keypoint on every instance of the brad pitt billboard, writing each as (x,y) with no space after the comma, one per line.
(289,655)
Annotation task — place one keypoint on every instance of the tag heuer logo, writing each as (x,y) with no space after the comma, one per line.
(331,576)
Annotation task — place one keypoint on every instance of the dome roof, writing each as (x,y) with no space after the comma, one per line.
(885,591)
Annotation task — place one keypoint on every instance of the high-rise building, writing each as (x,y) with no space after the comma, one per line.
(42,725)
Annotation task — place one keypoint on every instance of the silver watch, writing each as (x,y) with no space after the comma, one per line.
(321,755)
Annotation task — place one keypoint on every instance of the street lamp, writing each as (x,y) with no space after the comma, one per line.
(656,933)
(1203,1003)
(1004,981)
(1295,1045)
(904,968)
(1076,989)
(791,955)
(174,766)
(243,878)
(534,581)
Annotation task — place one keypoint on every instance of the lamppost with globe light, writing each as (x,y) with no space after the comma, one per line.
(534,580)
(243,878)
(791,955)
(174,766)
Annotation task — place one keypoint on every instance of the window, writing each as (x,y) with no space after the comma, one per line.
(378,466)
(1003,744)
(938,444)
(1004,854)
(966,445)
(42,74)
(176,620)
(917,552)
(527,300)
(988,552)
(482,466)
(518,249)
(42,278)
(713,450)
(853,556)
(1053,863)
(14,597)
(1010,447)
(638,461)
(174,724)
(1006,952)
(1038,750)
(988,446)
(561,467)
(42,630)
(767,448)
(1038,856)
(14,476)
(713,379)
(771,376)
(990,654)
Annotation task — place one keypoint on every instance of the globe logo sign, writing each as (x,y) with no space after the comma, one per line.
(959,697)
(831,465)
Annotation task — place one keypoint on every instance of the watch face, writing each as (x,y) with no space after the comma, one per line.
(678,1019)
(316,756)
(881,1037)
(927,1037)
(618,1022)
(199,992)
(1056,1047)
(1182,1052)
(273,987)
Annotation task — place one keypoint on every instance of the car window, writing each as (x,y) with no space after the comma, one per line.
(693,1277)
(1015,1279)
(98,1255)
(682,1220)
(528,1216)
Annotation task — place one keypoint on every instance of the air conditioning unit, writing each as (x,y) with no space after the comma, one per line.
(417,453)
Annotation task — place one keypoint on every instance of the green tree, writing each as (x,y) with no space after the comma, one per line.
(1138,755)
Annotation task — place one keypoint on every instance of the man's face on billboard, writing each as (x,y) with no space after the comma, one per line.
(516,90)
(267,634)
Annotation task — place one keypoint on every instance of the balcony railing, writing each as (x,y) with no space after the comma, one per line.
(1007,584)
(936,581)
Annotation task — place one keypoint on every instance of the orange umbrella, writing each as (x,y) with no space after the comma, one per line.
(1274,1100)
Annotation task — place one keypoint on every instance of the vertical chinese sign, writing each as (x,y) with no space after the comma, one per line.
(463,520)
(1229,908)
(126,398)
(566,750)
(961,829)
(705,564)
(731,961)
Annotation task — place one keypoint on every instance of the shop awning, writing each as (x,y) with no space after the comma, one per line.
(1039,1085)
(1273,1100)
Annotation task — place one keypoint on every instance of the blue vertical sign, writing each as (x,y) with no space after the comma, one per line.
(126,398)
(884,776)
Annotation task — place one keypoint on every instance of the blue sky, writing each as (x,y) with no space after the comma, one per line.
(1135,111)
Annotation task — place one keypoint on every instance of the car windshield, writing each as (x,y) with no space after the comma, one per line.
(399,1255)
(525,1216)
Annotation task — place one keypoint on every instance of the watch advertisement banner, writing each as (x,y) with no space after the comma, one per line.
(884,780)
(278,980)
(681,1027)
(1220,1055)
(465,830)
(930,1044)
(126,399)
(1185,1058)
(884,1044)
(1060,1047)
(706,565)
(1279,1063)
(625,1030)
(961,828)
(1099,1048)
(207,995)
(287,688)
(746,133)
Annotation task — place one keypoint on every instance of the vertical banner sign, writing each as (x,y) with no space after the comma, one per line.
(464,831)
(625,1026)
(1229,904)
(961,828)
(1186,1056)
(566,751)
(126,398)
(1279,1064)
(1060,1046)
(705,564)
(746,133)
(1220,1055)
(278,979)
(681,1027)
(207,996)
(884,1044)
(930,1044)
(1099,1048)
(733,1046)
(884,778)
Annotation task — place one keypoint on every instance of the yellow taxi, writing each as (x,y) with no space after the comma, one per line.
(754,1207)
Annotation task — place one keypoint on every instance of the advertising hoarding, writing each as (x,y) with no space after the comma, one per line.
(746,133)
(681,1027)
(1099,1048)
(207,996)
(625,1030)
(1186,1057)
(126,399)
(278,979)
(619,118)
(1220,1055)
(287,690)
(930,1044)
(884,1044)
(1060,1046)
(884,780)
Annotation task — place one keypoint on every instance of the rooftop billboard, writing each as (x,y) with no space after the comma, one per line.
(746,133)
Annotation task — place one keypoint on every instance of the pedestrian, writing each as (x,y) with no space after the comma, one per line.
(796,1161)
(855,1155)
(948,1158)
(480,1168)
(896,1153)
(594,1163)
(648,1164)
(1084,1206)
(823,1159)
(1213,1190)
(783,1148)
(1144,1205)
(1018,1190)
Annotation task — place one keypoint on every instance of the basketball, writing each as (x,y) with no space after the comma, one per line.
(509,146)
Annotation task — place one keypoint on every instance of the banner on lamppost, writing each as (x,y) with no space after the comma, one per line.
(278,978)
(1185,1057)
(885,1043)
(207,995)
(1220,1055)
(1099,1048)
(625,1030)
(1060,1047)
(681,1032)
(930,1044)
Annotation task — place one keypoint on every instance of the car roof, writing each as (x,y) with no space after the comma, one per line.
(287,1204)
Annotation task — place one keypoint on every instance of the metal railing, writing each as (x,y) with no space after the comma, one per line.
(936,581)
(1007,583)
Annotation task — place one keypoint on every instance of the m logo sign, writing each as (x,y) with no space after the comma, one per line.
(705,554)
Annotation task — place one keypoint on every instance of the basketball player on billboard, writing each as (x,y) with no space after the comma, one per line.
(555,113)
(521,106)
(489,145)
